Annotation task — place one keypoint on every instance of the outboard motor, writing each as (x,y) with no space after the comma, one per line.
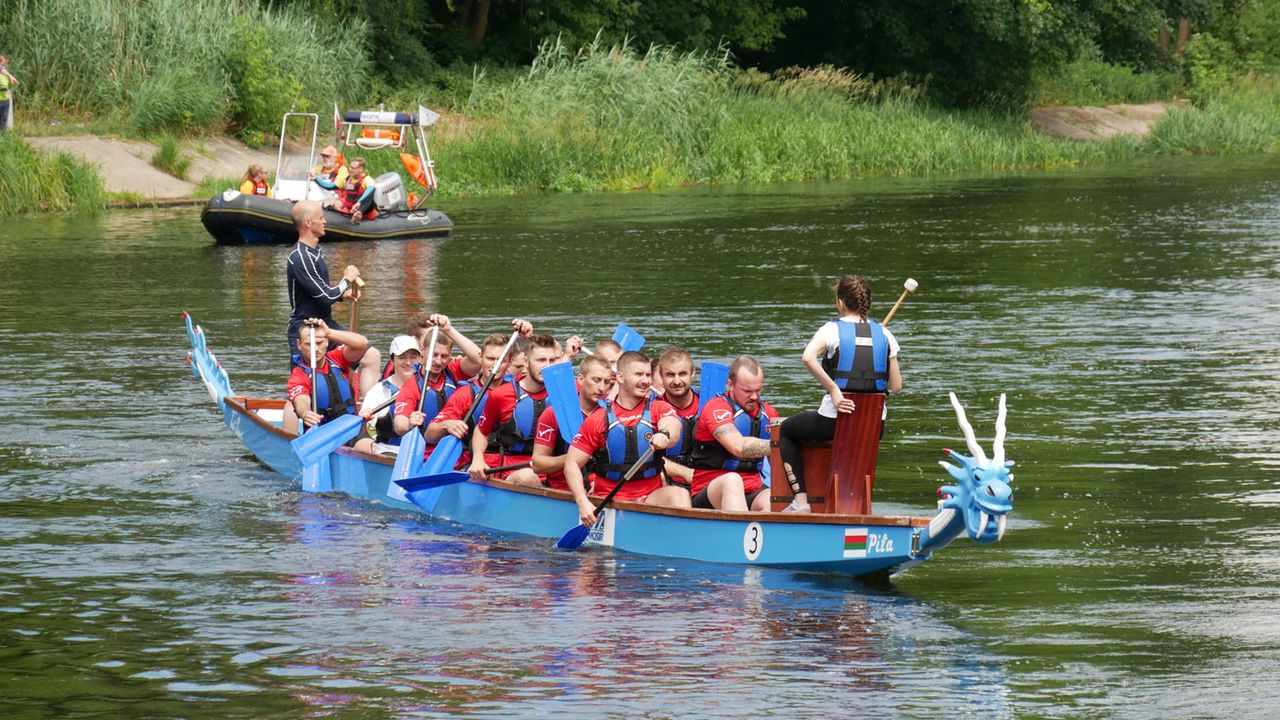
(389,192)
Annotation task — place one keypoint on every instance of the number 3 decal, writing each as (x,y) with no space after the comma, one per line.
(753,541)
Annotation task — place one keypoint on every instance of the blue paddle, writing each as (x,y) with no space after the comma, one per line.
(562,394)
(449,449)
(413,443)
(715,376)
(629,339)
(315,477)
(427,482)
(315,445)
(573,539)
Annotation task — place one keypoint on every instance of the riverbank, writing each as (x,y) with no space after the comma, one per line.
(554,132)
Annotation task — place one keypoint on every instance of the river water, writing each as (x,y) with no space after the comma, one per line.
(150,568)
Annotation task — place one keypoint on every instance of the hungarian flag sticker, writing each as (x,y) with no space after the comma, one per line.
(855,542)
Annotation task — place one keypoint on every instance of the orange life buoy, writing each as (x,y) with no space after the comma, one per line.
(381,134)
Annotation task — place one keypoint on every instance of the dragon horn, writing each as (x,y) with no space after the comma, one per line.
(997,446)
(969,439)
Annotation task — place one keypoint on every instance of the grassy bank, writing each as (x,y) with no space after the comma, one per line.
(612,118)
(37,181)
(194,66)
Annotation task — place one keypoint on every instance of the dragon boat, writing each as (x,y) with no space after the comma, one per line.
(233,218)
(840,536)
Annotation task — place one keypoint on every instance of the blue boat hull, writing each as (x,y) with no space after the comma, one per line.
(813,543)
(858,545)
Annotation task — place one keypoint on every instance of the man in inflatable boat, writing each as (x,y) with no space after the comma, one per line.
(355,194)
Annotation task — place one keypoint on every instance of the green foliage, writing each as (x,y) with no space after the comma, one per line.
(170,158)
(1094,82)
(33,180)
(169,57)
(1243,118)
(177,98)
(611,118)
(262,92)
(1212,65)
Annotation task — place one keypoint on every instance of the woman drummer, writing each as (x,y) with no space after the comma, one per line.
(849,354)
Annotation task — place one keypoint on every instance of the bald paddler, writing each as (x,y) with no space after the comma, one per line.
(730,440)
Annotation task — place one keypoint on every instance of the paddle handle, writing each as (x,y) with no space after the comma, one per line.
(315,377)
(493,373)
(426,369)
(391,400)
(630,473)
(508,468)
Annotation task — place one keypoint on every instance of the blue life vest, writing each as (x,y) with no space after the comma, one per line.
(434,402)
(681,447)
(335,385)
(711,455)
(515,436)
(623,446)
(861,364)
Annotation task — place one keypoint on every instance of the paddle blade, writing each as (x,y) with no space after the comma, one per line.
(562,393)
(427,482)
(316,478)
(629,339)
(314,445)
(408,462)
(444,457)
(573,539)
(715,376)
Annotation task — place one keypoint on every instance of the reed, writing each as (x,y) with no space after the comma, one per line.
(172,63)
(605,118)
(32,180)
(1242,120)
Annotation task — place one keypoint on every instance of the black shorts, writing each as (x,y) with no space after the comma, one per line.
(702,500)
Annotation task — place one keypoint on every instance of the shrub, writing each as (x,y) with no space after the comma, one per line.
(177,98)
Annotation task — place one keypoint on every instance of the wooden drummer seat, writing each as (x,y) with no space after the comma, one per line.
(839,476)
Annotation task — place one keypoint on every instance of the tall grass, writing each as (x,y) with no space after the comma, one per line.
(613,117)
(38,181)
(1242,120)
(175,63)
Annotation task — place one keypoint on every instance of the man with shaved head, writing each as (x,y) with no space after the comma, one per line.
(310,293)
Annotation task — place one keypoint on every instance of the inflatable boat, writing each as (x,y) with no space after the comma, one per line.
(234,218)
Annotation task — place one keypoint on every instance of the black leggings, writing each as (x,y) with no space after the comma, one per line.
(808,426)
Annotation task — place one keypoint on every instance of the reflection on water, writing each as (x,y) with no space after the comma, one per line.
(152,567)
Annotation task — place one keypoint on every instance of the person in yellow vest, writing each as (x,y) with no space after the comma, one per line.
(330,167)
(254,182)
(7,82)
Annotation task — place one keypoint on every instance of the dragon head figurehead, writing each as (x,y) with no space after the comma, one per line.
(982,494)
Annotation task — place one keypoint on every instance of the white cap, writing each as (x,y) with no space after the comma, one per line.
(403,344)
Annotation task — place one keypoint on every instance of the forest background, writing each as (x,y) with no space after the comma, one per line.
(580,95)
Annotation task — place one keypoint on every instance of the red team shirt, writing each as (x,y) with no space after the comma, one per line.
(498,408)
(300,382)
(409,395)
(716,415)
(591,437)
(547,434)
